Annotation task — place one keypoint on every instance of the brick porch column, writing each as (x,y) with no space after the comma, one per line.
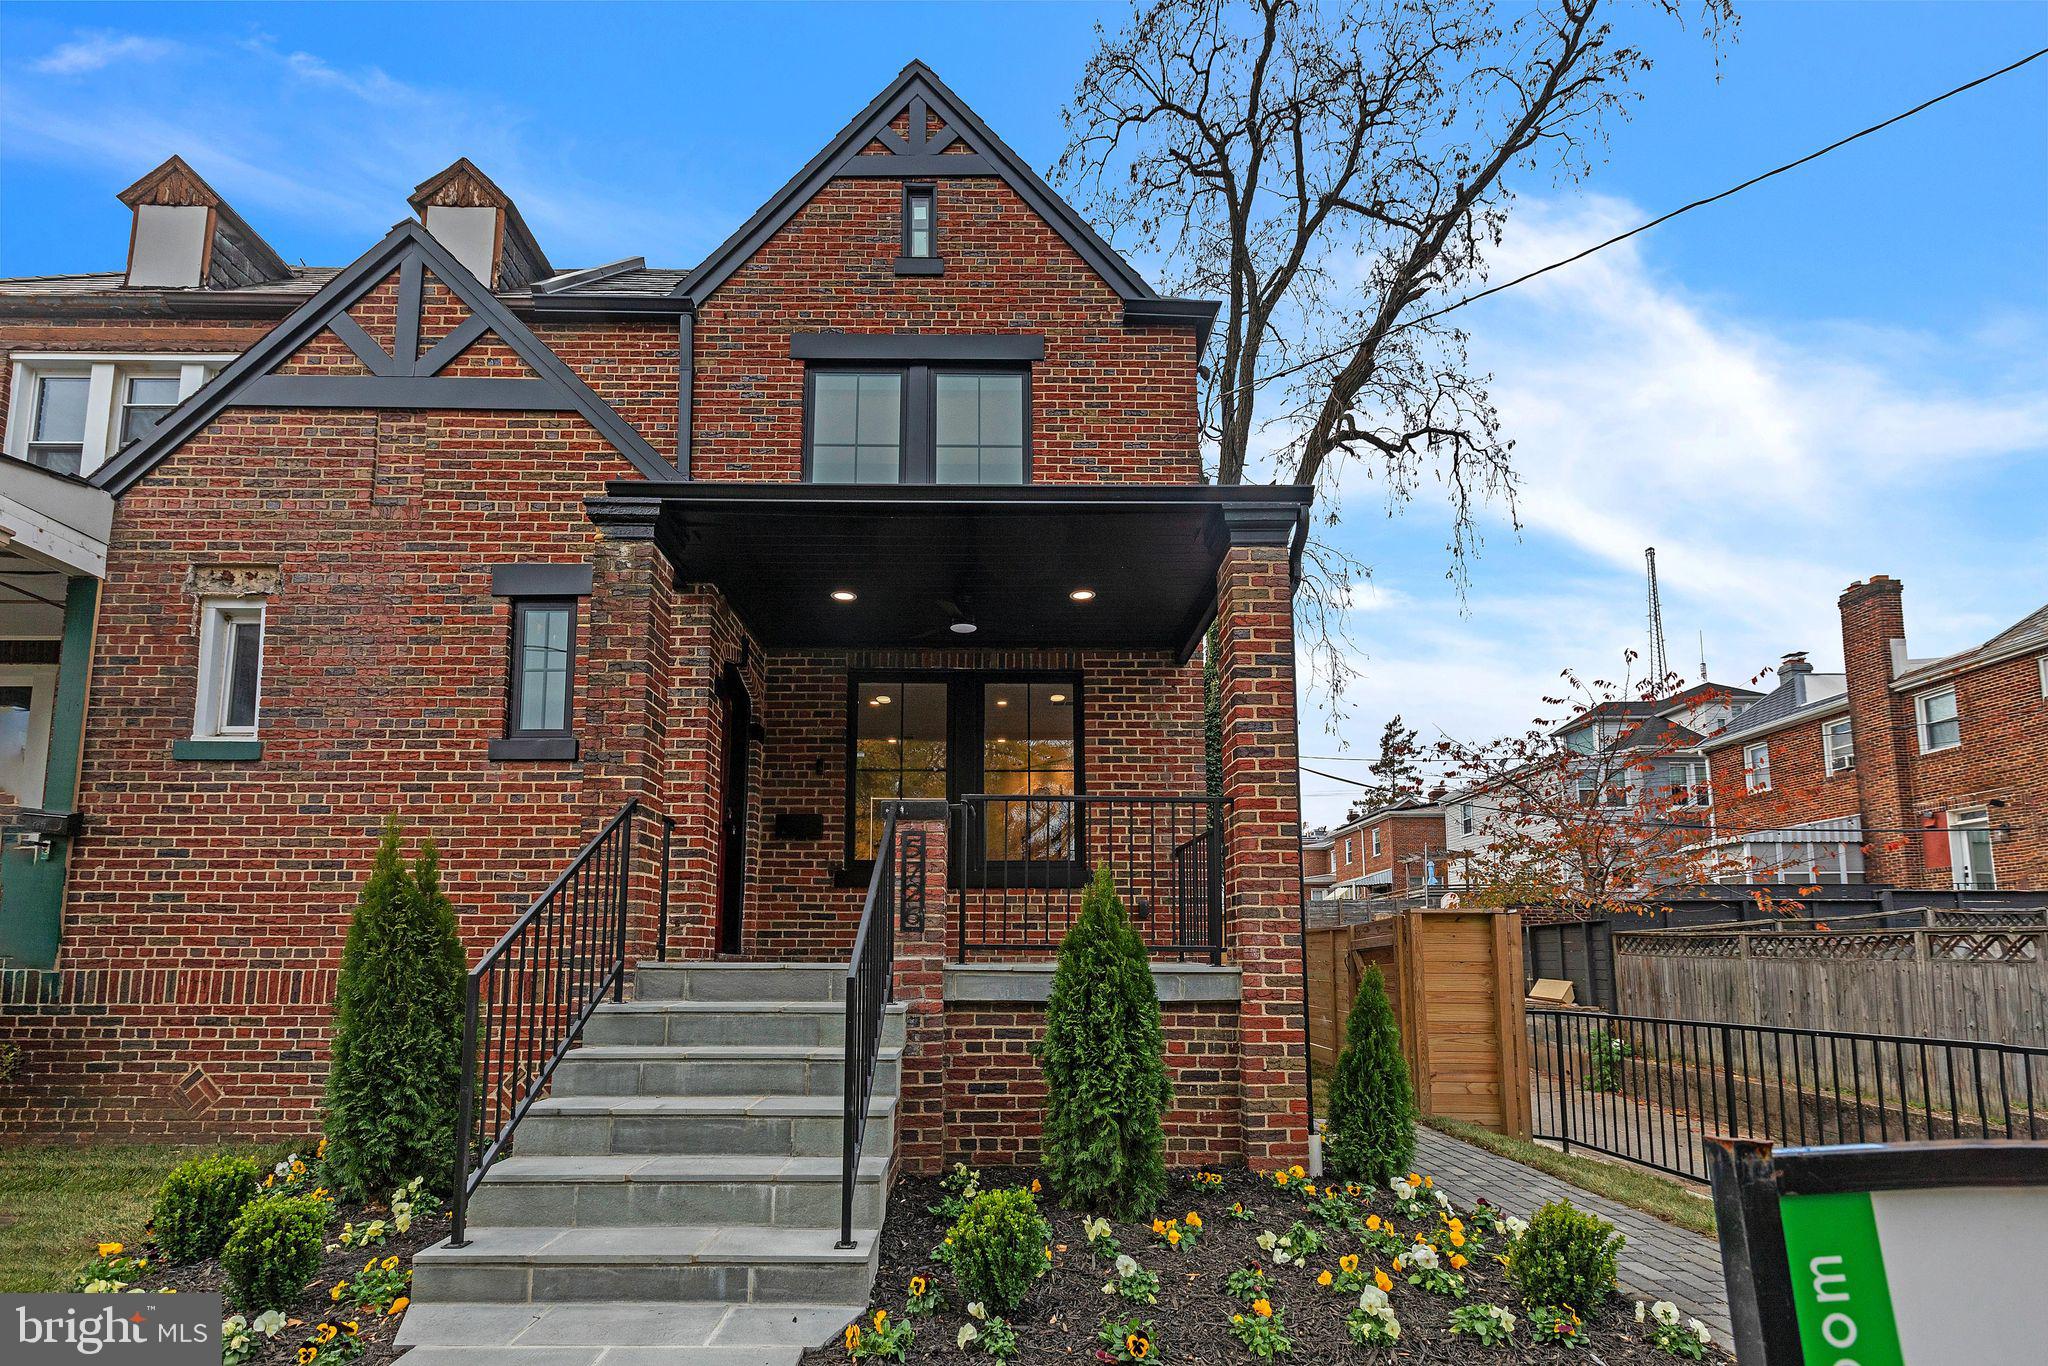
(1262,858)
(920,984)
(620,712)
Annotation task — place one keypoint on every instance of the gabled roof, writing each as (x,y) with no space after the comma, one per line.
(518,259)
(237,256)
(918,91)
(407,379)
(1798,697)
(2028,634)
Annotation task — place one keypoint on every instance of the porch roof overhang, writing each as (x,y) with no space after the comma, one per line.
(918,558)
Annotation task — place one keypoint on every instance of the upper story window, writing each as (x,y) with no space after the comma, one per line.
(543,667)
(920,226)
(1756,767)
(74,410)
(1375,842)
(918,424)
(1940,727)
(230,668)
(1464,818)
(1839,740)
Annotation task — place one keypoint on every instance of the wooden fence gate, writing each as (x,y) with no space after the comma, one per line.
(1455,980)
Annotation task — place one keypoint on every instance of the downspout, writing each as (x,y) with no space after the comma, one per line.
(686,385)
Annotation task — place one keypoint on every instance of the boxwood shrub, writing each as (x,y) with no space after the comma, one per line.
(274,1250)
(1001,1244)
(196,1207)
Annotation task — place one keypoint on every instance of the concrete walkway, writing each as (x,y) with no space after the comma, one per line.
(1660,1261)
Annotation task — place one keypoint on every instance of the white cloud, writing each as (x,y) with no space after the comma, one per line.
(96,51)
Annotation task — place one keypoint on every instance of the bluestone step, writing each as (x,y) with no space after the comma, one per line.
(718,1069)
(615,1191)
(746,982)
(802,1023)
(730,1263)
(792,1126)
(705,1334)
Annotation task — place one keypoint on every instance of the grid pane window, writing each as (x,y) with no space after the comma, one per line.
(917,223)
(1939,726)
(978,428)
(856,428)
(145,401)
(57,440)
(899,752)
(1028,750)
(543,661)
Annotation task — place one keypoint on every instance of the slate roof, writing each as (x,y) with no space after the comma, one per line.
(2029,633)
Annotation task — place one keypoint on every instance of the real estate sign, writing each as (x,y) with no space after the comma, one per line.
(1904,1254)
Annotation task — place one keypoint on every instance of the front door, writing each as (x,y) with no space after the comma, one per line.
(737,714)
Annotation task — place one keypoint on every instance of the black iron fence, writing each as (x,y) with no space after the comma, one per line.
(1024,861)
(530,994)
(896,894)
(1650,1090)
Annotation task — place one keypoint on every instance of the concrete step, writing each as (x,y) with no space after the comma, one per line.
(721,1069)
(806,1023)
(752,983)
(787,1126)
(626,1191)
(581,1333)
(688,1262)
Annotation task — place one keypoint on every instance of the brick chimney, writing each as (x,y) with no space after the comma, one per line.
(1873,637)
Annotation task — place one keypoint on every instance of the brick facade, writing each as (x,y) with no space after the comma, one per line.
(1903,796)
(208,899)
(1409,842)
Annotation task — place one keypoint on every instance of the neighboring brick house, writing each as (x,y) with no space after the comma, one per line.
(897,497)
(1903,772)
(1388,851)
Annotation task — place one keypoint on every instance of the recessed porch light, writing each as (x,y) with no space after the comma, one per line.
(880,699)
(964,628)
(1057,697)
(1082,595)
(844,595)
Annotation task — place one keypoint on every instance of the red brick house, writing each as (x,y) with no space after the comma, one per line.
(895,498)
(1905,772)
(1389,851)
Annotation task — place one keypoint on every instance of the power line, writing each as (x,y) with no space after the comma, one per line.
(1667,217)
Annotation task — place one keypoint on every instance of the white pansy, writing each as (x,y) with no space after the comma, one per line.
(1126,1264)
(1699,1330)
(968,1333)
(1442,1199)
(1422,1257)
(1639,1311)
(1268,1240)
(975,1310)
(1665,1312)
(1373,1300)
(269,1322)
(1515,1227)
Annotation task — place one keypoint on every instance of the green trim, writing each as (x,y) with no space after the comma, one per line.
(216,750)
(31,888)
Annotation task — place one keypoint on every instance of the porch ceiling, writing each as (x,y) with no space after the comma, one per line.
(920,557)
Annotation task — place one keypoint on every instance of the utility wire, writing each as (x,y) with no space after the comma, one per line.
(1666,218)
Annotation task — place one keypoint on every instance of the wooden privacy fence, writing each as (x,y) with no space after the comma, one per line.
(1940,981)
(1455,980)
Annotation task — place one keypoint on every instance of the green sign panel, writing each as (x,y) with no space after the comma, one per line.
(1838,1280)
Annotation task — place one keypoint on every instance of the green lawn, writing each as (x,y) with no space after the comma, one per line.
(56,1203)
(1643,1190)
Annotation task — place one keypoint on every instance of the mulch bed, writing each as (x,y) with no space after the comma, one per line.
(1191,1319)
(338,1264)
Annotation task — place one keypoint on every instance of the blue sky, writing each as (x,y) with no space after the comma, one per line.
(1838,373)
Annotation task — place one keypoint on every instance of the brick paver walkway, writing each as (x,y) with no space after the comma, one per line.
(1660,1261)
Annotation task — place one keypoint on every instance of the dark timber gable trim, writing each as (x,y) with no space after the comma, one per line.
(921,156)
(408,379)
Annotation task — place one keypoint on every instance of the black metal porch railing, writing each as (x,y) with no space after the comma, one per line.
(530,994)
(895,892)
(1651,1090)
(1024,861)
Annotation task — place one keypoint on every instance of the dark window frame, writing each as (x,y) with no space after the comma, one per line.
(964,737)
(917,428)
(928,192)
(520,742)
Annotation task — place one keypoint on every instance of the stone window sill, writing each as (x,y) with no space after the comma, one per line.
(535,749)
(216,751)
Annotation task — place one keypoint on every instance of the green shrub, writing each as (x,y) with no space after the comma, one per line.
(397,1030)
(1104,1061)
(1565,1258)
(1605,1054)
(1000,1246)
(1370,1135)
(198,1203)
(274,1250)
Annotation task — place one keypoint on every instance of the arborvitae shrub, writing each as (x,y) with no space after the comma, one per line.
(1103,1055)
(1567,1257)
(397,1030)
(274,1250)
(198,1202)
(1371,1130)
(1001,1244)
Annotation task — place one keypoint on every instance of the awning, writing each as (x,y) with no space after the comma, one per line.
(922,561)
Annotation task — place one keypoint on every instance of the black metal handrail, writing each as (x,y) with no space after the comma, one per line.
(1650,1090)
(869,971)
(529,996)
(1024,862)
